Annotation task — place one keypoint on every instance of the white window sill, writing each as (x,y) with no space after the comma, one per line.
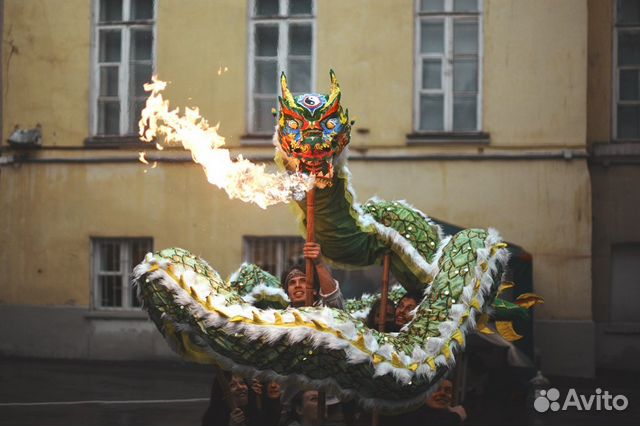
(112,314)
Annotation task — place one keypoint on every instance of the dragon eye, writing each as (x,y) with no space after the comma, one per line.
(331,124)
(293,124)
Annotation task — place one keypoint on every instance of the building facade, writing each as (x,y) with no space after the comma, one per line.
(480,113)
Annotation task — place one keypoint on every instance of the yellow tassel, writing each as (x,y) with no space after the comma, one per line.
(458,337)
(414,366)
(505,286)
(446,351)
(278,318)
(359,342)
(237,318)
(505,328)
(319,325)
(257,319)
(475,304)
(396,361)
(298,319)
(377,359)
(432,364)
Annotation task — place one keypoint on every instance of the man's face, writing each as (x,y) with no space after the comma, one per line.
(441,398)
(297,289)
(273,390)
(309,409)
(239,391)
(403,311)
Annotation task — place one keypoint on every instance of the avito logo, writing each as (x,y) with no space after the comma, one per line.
(549,399)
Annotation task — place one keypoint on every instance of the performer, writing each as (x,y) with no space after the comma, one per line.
(294,281)
(404,311)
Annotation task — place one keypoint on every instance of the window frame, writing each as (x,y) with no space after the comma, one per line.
(126,269)
(126,26)
(447,58)
(279,241)
(283,22)
(616,76)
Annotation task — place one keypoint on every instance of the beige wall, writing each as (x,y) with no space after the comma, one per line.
(600,65)
(46,67)
(536,72)
(535,86)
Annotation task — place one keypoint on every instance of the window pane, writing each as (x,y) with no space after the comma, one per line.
(264,120)
(628,121)
(109,257)
(139,249)
(465,37)
(465,5)
(431,5)
(432,37)
(109,46)
(110,10)
(628,47)
(300,40)
(266,7)
(266,39)
(266,77)
(431,74)
(109,117)
(464,113)
(465,75)
(431,112)
(141,44)
(299,75)
(109,81)
(141,9)
(110,290)
(135,112)
(141,74)
(628,12)
(300,7)
(630,85)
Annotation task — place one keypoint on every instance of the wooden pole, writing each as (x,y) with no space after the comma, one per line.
(311,237)
(311,231)
(382,315)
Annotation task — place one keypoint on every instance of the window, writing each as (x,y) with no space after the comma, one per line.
(113,262)
(123,57)
(448,62)
(625,283)
(273,254)
(281,34)
(627,70)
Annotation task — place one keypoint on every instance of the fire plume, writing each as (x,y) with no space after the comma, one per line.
(240,178)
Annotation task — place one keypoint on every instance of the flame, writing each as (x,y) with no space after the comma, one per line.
(141,158)
(241,178)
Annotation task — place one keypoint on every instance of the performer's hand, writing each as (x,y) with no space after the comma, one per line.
(312,251)
(236,418)
(460,411)
(256,387)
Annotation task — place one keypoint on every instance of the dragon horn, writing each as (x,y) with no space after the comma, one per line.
(335,88)
(286,94)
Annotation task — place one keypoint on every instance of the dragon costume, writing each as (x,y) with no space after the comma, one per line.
(245,323)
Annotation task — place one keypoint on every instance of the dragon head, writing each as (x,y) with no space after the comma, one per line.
(313,129)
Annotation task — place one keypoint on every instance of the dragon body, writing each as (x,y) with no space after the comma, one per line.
(245,323)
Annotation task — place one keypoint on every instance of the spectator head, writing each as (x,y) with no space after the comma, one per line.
(239,391)
(406,305)
(373,318)
(273,390)
(294,281)
(305,407)
(442,397)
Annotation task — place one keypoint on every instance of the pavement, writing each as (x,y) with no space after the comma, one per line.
(92,393)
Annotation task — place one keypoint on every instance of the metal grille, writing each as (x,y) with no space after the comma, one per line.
(113,261)
(273,254)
